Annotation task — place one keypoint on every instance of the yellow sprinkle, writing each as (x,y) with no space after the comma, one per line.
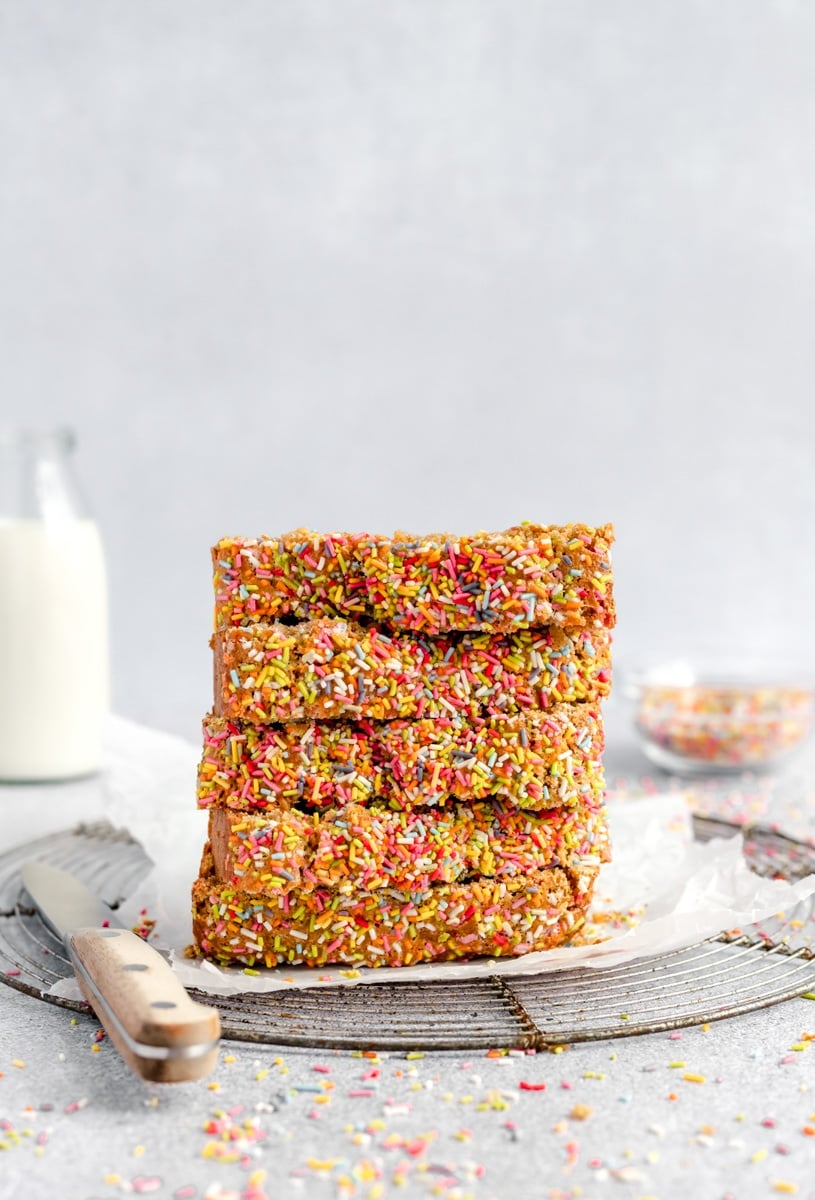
(214,1087)
(95,1048)
(261,1074)
(679,1062)
(250,971)
(706,1027)
(412,1054)
(799,1046)
(693,1078)
(138,1151)
(784,1185)
(758,1156)
(18,1062)
(229,1058)
(112,1179)
(322,1164)
(581,1112)
(322,1099)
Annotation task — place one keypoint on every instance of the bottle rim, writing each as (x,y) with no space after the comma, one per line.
(25,437)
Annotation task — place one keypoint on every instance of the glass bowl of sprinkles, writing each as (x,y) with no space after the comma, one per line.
(703,718)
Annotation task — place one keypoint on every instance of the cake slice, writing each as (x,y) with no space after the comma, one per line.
(527,576)
(534,760)
(389,927)
(335,670)
(358,848)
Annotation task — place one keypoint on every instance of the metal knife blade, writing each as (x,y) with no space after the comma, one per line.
(161,1033)
(64,902)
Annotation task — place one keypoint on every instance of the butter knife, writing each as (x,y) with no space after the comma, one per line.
(161,1033)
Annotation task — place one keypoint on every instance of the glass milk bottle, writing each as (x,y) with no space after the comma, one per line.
(54,669)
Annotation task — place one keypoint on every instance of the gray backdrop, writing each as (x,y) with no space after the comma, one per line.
(426,265)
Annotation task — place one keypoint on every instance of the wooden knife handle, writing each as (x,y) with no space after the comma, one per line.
(159,1031)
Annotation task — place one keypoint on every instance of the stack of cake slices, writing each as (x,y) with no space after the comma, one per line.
(403,761)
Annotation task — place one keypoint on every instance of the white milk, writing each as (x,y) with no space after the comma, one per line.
(54,669)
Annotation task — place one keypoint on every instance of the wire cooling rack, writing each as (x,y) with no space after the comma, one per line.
(719,977)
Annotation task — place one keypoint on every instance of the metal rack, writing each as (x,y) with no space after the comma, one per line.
(718,977)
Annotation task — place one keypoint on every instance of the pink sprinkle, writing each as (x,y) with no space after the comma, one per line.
(234,1112)
(567,1087)
(13,972)
(75,1105)
(321,1070)
(782,1149)
(788,1058)
(768,1123)
(313,1115)
(184,1193)
(358,1092)
(146,1183)
(674,1037)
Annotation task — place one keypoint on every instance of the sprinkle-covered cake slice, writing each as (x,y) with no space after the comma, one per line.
(388,926)
(333,669)
(527,576)
(359,848)
(534,760)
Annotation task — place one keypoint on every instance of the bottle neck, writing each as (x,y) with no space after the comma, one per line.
(37,480)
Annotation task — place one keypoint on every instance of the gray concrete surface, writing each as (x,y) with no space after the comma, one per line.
(647,1132)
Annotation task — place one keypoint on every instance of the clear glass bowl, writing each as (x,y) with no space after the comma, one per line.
(708,718)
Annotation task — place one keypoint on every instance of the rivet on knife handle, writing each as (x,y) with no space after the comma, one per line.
(161,1033)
